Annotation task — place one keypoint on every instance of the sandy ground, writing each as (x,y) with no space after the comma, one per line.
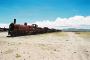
(50,46)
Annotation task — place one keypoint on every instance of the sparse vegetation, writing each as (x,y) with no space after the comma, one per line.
(18,55)
(84,34)
(77,32)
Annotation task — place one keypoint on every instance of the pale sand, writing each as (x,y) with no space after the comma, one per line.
(50,46)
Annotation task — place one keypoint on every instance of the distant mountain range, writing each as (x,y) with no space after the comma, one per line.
(82,28)
(76,30)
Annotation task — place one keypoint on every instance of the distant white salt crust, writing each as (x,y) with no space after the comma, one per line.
(2,25)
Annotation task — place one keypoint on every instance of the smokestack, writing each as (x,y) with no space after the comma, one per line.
(25,24)
(14,21)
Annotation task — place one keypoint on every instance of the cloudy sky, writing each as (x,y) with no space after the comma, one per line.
(51,13)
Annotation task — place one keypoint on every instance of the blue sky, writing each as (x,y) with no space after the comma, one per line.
(38,10)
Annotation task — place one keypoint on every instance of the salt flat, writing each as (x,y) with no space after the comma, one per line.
(49,46)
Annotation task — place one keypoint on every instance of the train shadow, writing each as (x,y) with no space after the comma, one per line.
(11,36)
(21,35)
(30,34)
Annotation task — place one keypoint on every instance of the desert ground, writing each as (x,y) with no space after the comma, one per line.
(49,46)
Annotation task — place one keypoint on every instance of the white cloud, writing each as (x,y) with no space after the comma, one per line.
(59,23)
(74,21)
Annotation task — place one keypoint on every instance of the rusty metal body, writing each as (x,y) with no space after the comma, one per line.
(18,30)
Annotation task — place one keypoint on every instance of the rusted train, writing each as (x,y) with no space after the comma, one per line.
(19,30)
